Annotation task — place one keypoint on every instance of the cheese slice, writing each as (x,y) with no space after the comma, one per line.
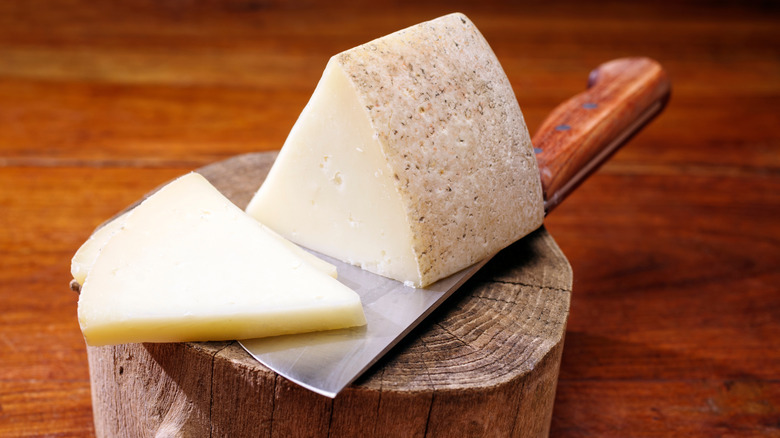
(85,256)
(411,159)
(188,265)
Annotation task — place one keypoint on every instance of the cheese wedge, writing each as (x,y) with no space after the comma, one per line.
(188,265)
(411,159)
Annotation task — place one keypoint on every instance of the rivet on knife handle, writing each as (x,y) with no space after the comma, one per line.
(623,95)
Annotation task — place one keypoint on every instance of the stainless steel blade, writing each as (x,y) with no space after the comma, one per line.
(326,362)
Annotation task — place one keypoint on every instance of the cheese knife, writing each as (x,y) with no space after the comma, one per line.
(578,136)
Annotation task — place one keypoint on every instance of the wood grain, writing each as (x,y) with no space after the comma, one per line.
(674,243)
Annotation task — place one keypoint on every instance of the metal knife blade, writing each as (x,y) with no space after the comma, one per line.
(326,362)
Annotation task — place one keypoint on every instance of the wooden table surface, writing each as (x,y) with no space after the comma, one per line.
(675,244)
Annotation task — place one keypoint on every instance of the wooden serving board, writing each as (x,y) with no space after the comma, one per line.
(484,364)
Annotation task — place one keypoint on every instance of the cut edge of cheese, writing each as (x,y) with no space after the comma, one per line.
(224,327)
(337,196)
(429,112)
(188,265)
(310,258)
(87,253)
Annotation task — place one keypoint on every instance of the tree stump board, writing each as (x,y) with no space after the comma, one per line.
(484,364)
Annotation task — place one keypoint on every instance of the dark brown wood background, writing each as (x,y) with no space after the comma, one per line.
(675,244)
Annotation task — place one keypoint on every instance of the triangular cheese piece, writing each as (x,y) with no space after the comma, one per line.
(188,265)
(411,160)
(85,256)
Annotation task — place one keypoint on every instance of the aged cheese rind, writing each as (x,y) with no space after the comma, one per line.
(449,129)
(188,265)
(453,131)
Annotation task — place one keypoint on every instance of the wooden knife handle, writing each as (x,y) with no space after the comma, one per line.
(580,134)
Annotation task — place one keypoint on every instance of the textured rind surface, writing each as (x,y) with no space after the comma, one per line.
(453,133)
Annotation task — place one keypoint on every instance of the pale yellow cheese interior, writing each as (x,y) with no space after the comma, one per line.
(331,189)
(188,265)
(85,257)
